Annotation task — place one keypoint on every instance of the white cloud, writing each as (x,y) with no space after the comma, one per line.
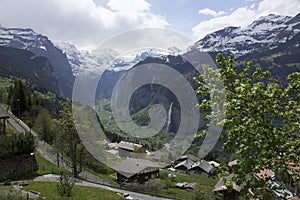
(245,15)
(129,5)
(207,11)
(79,21)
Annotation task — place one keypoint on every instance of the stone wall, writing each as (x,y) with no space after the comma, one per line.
(17,166)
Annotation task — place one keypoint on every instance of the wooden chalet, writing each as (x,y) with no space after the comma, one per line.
(189,157)
(221,188)
(126,148)
(134,170)
(201,168)
(183,166)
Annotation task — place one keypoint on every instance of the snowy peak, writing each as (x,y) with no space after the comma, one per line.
(127,61)
(271,19)
(21,38)
(40,45)
(265,33)
(98,60)
(86,62)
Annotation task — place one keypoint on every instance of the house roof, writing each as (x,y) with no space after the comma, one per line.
(233,163)
(186,185)
(188,157)
(191,185)
(129,146)
(3,113)
(204,165)
(266,173)
(214,163)
(220,186)
(181,185)
(132,166)
(186,163)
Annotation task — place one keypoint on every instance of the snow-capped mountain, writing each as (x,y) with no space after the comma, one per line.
(97,60)
(266,33)
(129,60)
(40,45)
(85,62)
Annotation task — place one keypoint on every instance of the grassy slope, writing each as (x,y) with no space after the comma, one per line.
(48,190)
(45,167)
(206,185)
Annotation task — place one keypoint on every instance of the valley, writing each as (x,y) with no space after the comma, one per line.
(79,142)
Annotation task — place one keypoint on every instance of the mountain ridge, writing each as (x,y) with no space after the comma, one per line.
(264,34)
(40,45)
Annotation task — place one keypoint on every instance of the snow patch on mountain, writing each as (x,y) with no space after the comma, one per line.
(265,33)
(24,38)
(127,61)
(98,60)
(85,62)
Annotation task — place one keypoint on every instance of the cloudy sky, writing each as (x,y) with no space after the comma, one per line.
(89,22)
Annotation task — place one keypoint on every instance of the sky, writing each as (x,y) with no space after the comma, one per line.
(87,23)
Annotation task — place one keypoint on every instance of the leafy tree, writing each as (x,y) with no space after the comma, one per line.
(69,143)
(45,126)
(65,185)
(262,119)
(16,144)
(19,98)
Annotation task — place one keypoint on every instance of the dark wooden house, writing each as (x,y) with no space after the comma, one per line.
(201,168)
(134,170)
(189,157)
(184,166)
(221,188)
(126,148)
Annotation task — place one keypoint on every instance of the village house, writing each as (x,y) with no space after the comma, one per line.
(221,188)
(183,166)
(134,170)
(189,157)
(201,168)
(126,148)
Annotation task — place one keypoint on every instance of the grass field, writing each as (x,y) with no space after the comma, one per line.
(206,185)
(45,167)
(48,190)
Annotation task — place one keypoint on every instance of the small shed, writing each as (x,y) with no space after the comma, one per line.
(233,163)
